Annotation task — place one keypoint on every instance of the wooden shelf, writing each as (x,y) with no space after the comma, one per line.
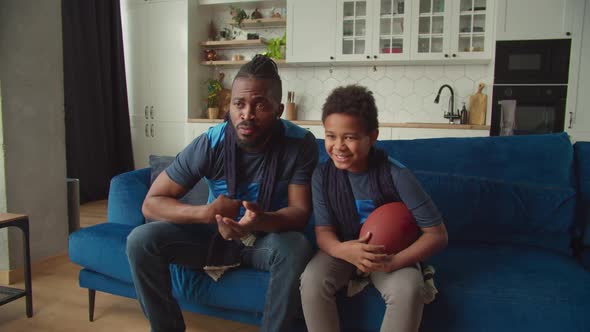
(271,22)
(230,63)
(234,43)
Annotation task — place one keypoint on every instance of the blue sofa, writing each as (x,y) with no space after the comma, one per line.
(514,208)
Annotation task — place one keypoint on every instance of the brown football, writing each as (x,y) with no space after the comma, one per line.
(391,225)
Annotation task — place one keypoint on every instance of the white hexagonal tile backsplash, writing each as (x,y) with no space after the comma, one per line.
(402,93)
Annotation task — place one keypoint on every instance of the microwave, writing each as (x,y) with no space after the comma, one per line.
(528,109)
(532,61)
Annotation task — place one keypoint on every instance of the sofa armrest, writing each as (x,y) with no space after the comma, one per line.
(126,195)
(582,162)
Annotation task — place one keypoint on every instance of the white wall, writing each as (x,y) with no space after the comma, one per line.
(31,68)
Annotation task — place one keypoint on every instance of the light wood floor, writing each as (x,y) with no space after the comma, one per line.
(60,305)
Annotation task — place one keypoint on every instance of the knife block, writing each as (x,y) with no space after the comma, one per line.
(291,112)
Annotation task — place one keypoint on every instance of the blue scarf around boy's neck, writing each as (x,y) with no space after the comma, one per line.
(339,196)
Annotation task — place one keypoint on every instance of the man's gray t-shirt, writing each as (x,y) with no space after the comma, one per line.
(203,159)
(409,189)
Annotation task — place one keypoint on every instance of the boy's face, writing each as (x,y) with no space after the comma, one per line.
(347,142)
(253,111)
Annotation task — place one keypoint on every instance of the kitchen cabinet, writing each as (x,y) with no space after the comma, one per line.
(372,30)
(195,129)
(310,30)
(157,138)
(161,69)
(535,19)
(452,30)
(156,53)
(578,100)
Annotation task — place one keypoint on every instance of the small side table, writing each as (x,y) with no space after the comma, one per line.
(8,294)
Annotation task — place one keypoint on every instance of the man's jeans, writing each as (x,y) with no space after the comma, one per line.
(152,247)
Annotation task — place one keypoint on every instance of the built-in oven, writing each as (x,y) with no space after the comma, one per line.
(528,109)
(530,87)
(532,61)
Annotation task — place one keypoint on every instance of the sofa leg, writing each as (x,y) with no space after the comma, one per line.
(91,295)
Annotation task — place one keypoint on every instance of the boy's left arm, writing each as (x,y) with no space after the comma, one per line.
(432,240)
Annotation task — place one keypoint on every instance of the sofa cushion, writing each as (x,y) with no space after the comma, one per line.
(487,210)
(582,159)
(102,248)
(508,288)
(126,195)
(539,159)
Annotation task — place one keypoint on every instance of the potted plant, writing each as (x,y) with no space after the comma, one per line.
(238,15)
(213,89)
(276,47)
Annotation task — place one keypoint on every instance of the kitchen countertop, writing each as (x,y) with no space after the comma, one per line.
(424,125)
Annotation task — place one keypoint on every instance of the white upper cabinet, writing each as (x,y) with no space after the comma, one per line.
(392,30)
(535,19)
(310,30)
(354,30)
(472,29)
(368,30)
(452,30)
(431,26)
(156,59)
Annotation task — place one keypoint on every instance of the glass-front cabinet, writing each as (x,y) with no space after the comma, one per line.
(392,27)
(372,29)
(451,29)
(432,23)
(472,29)
(354,29)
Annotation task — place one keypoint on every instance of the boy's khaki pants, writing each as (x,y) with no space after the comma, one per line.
(402,291)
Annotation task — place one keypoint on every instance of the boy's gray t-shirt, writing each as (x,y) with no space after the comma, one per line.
(203,159)
(409,189)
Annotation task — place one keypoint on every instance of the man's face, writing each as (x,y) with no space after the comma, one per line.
(253,111)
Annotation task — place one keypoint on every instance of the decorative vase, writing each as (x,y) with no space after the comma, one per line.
(213,112)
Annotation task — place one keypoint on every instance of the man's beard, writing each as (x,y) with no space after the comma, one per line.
(257,141)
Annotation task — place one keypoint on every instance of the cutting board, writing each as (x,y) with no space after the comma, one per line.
(477,106)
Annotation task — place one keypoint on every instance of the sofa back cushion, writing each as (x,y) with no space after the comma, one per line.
(517,189)
(497,211)
(582,160)
(198,195)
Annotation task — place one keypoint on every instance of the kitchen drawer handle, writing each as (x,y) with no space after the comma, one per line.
(569,126)
(152,130)
(147,134)
(152,112)
(145,111)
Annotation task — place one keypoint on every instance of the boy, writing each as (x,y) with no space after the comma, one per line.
(357,179)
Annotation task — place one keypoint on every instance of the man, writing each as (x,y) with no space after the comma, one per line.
(258,168)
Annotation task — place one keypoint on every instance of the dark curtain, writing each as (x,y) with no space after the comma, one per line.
(98,136)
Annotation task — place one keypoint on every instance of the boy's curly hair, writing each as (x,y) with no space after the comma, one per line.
(353,100)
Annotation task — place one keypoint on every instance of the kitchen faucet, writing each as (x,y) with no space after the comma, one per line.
(451,115)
